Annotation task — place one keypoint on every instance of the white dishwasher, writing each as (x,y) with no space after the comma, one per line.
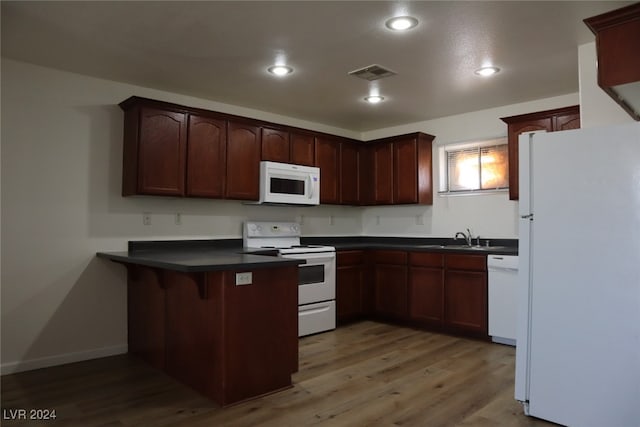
(503,304)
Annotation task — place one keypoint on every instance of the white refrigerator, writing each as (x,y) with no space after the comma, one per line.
(578,341)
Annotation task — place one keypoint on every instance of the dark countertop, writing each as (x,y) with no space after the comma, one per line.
(426,244)
(197,255)
(228,254)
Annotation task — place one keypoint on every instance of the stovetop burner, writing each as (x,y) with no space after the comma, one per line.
(281,236)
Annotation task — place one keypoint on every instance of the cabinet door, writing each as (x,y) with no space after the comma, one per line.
(349,298)
(243,161)
(466,300)
(514,131)
(567,122)
(367,179)
(206,156)
(405,170)
(426,295)
(275,145)
(327,152)
(349,173)
(303,149)
(162,152)
(391,296)
(383,173)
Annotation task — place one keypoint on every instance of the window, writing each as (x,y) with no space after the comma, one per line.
(474,167)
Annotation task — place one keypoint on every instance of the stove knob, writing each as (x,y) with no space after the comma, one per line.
(295,228)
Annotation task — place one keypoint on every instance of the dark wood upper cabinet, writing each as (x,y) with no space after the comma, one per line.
(327,158)
(566,121)
(383,173)
(401,170)
(617,44)
(412,170)
(303,148)
(173,150)
(206,156)
(275,145)
(558,119)
(154,153)
(243,161)
(349,173)
(366,174)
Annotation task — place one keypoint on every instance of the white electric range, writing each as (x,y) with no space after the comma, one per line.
(316,278)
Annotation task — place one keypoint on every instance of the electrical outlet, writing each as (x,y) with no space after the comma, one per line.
(419,219)
(332,220)
(178,218)
(146,218)
(245,278)
(377,219)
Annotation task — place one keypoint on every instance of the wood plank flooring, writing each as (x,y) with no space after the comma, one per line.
(364,374)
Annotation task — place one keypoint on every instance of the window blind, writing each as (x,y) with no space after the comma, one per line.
(478,168)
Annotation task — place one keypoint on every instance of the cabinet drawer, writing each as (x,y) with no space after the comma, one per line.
(426,259)
(390,257)
(350,258)
(466,262)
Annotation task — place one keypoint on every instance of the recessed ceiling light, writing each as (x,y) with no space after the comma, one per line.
(374,99)
(401,23)
(487,71)
(280,70)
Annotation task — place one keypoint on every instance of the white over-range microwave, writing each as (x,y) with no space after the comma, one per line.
(284,183)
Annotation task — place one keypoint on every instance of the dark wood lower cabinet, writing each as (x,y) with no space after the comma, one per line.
(391,285)
(228,342)
(350,299)
(426,295)
(426,288)
(391,291)
(438,291)
(466,293)
(466,301)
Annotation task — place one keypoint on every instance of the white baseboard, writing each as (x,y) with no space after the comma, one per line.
(60,359)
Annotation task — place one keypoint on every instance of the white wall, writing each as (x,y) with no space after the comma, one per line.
(597,108)
(61,203)
(487,215)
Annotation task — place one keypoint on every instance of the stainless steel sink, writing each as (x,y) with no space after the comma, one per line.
(475,248)
(464,247)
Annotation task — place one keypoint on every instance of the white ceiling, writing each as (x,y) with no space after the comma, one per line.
(220,51)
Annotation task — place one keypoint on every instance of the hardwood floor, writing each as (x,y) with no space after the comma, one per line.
(364,374)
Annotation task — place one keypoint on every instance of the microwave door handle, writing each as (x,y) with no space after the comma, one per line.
(312,188)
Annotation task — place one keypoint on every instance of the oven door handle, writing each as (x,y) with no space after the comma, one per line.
(315,257)
(314,310)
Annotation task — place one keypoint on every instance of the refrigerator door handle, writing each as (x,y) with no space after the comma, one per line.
(529,217)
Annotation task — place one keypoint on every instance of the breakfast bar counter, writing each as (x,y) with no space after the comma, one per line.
(224,323)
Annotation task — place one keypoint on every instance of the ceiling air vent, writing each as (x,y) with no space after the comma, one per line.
(372,72)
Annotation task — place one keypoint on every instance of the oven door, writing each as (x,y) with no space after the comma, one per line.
(316,278)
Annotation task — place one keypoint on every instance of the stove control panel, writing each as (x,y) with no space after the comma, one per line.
(271,229)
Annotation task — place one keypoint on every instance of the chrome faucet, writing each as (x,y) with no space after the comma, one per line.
(467,236)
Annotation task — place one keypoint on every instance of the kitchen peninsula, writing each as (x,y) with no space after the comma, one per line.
(191,315)
(222,322)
